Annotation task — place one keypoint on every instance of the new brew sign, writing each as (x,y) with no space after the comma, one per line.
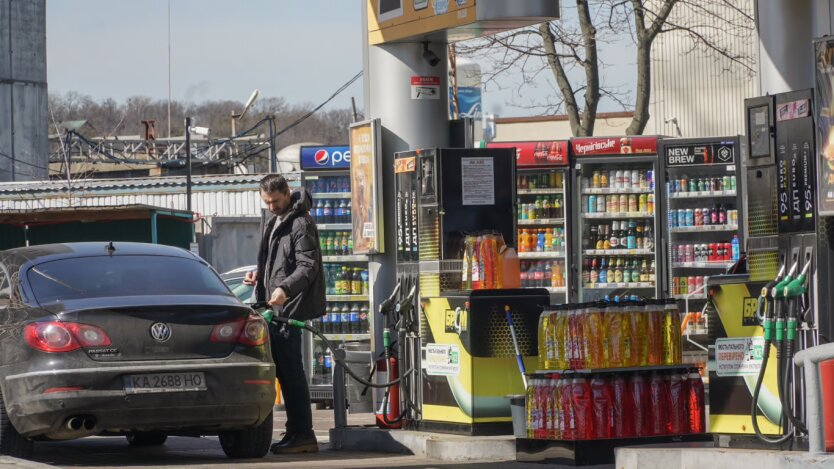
(700,154)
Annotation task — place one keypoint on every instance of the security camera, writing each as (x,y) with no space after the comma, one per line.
(204,131)
(430,57)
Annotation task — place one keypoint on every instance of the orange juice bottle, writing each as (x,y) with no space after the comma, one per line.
(557,277)
(612,340)
(510,268)
(593,336)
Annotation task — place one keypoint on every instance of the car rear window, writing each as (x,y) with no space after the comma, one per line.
(108,276)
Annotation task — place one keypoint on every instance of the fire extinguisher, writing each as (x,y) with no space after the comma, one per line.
(388,414)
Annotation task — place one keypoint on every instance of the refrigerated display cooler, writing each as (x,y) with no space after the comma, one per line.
(542,236)
(615,212)
(703,220)
(326,174)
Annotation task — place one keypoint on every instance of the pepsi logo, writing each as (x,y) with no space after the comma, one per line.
(322,157)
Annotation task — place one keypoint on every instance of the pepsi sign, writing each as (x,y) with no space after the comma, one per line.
(324,158)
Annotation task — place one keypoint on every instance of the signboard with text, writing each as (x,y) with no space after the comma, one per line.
(824,114)
(613,146)
(325,157)
(700,154)
(365,181)
(543,153)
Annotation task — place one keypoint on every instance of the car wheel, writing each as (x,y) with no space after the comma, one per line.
(146,438)
(250,442)
(12,443)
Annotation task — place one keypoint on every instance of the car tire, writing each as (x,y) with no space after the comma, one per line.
(12,443)
(146,438)
(248,443)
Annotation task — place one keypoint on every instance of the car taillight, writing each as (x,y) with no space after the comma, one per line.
(56,336)
(249,331)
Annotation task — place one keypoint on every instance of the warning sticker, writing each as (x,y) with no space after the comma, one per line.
(739,356)
(442,360)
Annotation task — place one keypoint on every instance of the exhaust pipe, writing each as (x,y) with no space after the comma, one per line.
(74,423)
(89,423)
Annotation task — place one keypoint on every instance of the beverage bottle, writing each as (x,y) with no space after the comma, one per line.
(642,204)
(650,203)
(612,338)
(556,239)
(642,410)
(546,426)
(678,400)
(349,242)
(335,319)
(325,322)
(586,270)
(537,209)
(648,236)
(355,327)
(364,319)
(553,404)
(339,212)
(345,313)
(582,409)
(545,344)
(614,238)
(327,213)
(632,203)
(631,236)
(612,267)
(319,212)
(530,407)
(640,342)
(735,248)
(603,270)
(695,403)
(722,215)
(520,209)
(622,408)
(510,268)
(629,334)
(659,403)
(540,240)
(602,399)
(546,208)
(523,240)
(531,211)
(558,209)
(348,280)
(602,237)
(332,184)
(644,272)
(356,281)
(566,406)
(557,275)
(603,179)
(654,332)
(672,353)
(594,355)
(618,270)
(561,348)
(339,278)
(328,367)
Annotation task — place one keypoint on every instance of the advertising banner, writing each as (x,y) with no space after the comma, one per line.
(469,101)
(365,181)
(325,157)
(795,165)
(700,154)
(611,146)
(824,110)
(544,153)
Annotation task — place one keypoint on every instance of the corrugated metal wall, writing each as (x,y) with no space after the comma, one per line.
(703,91)
(23,93)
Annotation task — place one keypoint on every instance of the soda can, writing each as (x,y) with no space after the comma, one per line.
(625,182)
(618,179)
(699,284)
(635,179)
(691,284)
(699,220)
(690,217)
(713,252)
(683,289)
(696,184)
(592,204)
(601,204)
(672,217)
(681,217)
(690,253)
(675,287)
(650,178)
(733,217)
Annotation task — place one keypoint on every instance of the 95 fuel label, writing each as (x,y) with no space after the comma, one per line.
(739,356)
(442,360)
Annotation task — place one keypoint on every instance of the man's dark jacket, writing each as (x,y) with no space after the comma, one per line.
(293,262)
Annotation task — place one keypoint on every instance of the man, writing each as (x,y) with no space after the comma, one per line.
(289,277)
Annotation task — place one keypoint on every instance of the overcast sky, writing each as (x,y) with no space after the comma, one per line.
(223,49)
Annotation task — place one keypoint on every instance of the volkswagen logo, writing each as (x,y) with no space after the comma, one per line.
(160,332)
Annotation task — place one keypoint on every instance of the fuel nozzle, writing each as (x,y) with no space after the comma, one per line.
(767,290)
(778,290)
(796,287)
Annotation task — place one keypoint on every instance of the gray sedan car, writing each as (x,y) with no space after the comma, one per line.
(128,339)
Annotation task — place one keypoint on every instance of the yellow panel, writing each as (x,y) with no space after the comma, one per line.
(742,424)
(448,414)
(416,23)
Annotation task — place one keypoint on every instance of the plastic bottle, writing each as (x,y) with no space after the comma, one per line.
(654,332)
(554,399)
(640,328)
(602,400)
(695,403)
(642,412)
(593,328)
(345,314)
(672,353)
(510,268)
(612,338)
(582,409)
(561,347)
(545,345)
(335,319)
(622,408)
(735,248)
(364,319)
(659,404)
(530,407)
(629,335)
(566,401)
(678,400)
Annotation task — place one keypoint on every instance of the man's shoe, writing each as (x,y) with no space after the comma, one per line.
(287,437)
(296,444)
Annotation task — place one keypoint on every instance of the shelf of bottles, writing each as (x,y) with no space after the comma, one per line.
(613,370)
(541,229)
(348,310)
(617,217)
(703,226)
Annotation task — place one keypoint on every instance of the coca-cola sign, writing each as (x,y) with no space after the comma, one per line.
(607,146)
(544,153)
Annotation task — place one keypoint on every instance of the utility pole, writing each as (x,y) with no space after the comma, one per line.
(273,159)
(188,163)
(169,69)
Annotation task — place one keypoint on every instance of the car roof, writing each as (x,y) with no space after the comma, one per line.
(240,271)
(50,252)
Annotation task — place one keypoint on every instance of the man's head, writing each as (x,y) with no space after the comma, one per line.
(275,193)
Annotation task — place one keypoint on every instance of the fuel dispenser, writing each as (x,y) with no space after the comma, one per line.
(760,319)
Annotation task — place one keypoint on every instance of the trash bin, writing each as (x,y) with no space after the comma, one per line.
(518,414)
(358,358)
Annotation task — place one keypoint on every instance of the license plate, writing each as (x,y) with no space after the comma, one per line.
(165,382)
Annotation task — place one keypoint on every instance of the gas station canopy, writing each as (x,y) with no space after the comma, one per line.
(449,21)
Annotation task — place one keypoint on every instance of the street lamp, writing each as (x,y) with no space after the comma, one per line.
(271,118)
(249,104)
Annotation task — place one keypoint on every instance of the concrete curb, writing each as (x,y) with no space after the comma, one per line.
(436,446)
(697,458)
(8,462)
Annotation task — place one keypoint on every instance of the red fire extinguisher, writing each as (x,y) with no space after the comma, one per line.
(389,409)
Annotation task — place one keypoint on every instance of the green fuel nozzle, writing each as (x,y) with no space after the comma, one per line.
(767,290)
(778,290)
(796,287)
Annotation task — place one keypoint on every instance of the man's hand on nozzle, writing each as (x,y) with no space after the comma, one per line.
(279,297)
(251,278)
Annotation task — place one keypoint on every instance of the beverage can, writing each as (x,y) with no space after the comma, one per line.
(699,284)
(601,204)
(626,181)
(692,285)
(707,216)
(592,204)
(683,288)
(690,217)
(690,253)
(672,218)
(650,178)
(618,178)
(699,220)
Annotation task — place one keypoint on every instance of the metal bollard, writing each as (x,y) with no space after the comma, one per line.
(339,392)
(809,360)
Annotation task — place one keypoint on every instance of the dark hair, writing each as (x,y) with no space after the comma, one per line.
(274,183)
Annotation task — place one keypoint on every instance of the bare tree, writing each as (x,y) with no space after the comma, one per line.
(569,51)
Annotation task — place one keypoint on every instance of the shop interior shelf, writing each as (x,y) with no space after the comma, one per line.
(542,191)
(349,258)
(615,370)
(704,265)
(542,222)
(347,337)
(616,190)
(619,252)
(700,229)
(542,255)
(347,297)
(617,215)
(701,194)
(614,286)
(334,226)
(331,195)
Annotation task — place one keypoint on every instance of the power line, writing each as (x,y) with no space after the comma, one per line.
(15,160)
(317,108)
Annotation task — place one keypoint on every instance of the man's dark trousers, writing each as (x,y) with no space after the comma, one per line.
(289,369)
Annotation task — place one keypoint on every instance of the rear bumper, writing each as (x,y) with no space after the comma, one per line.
(238,394)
